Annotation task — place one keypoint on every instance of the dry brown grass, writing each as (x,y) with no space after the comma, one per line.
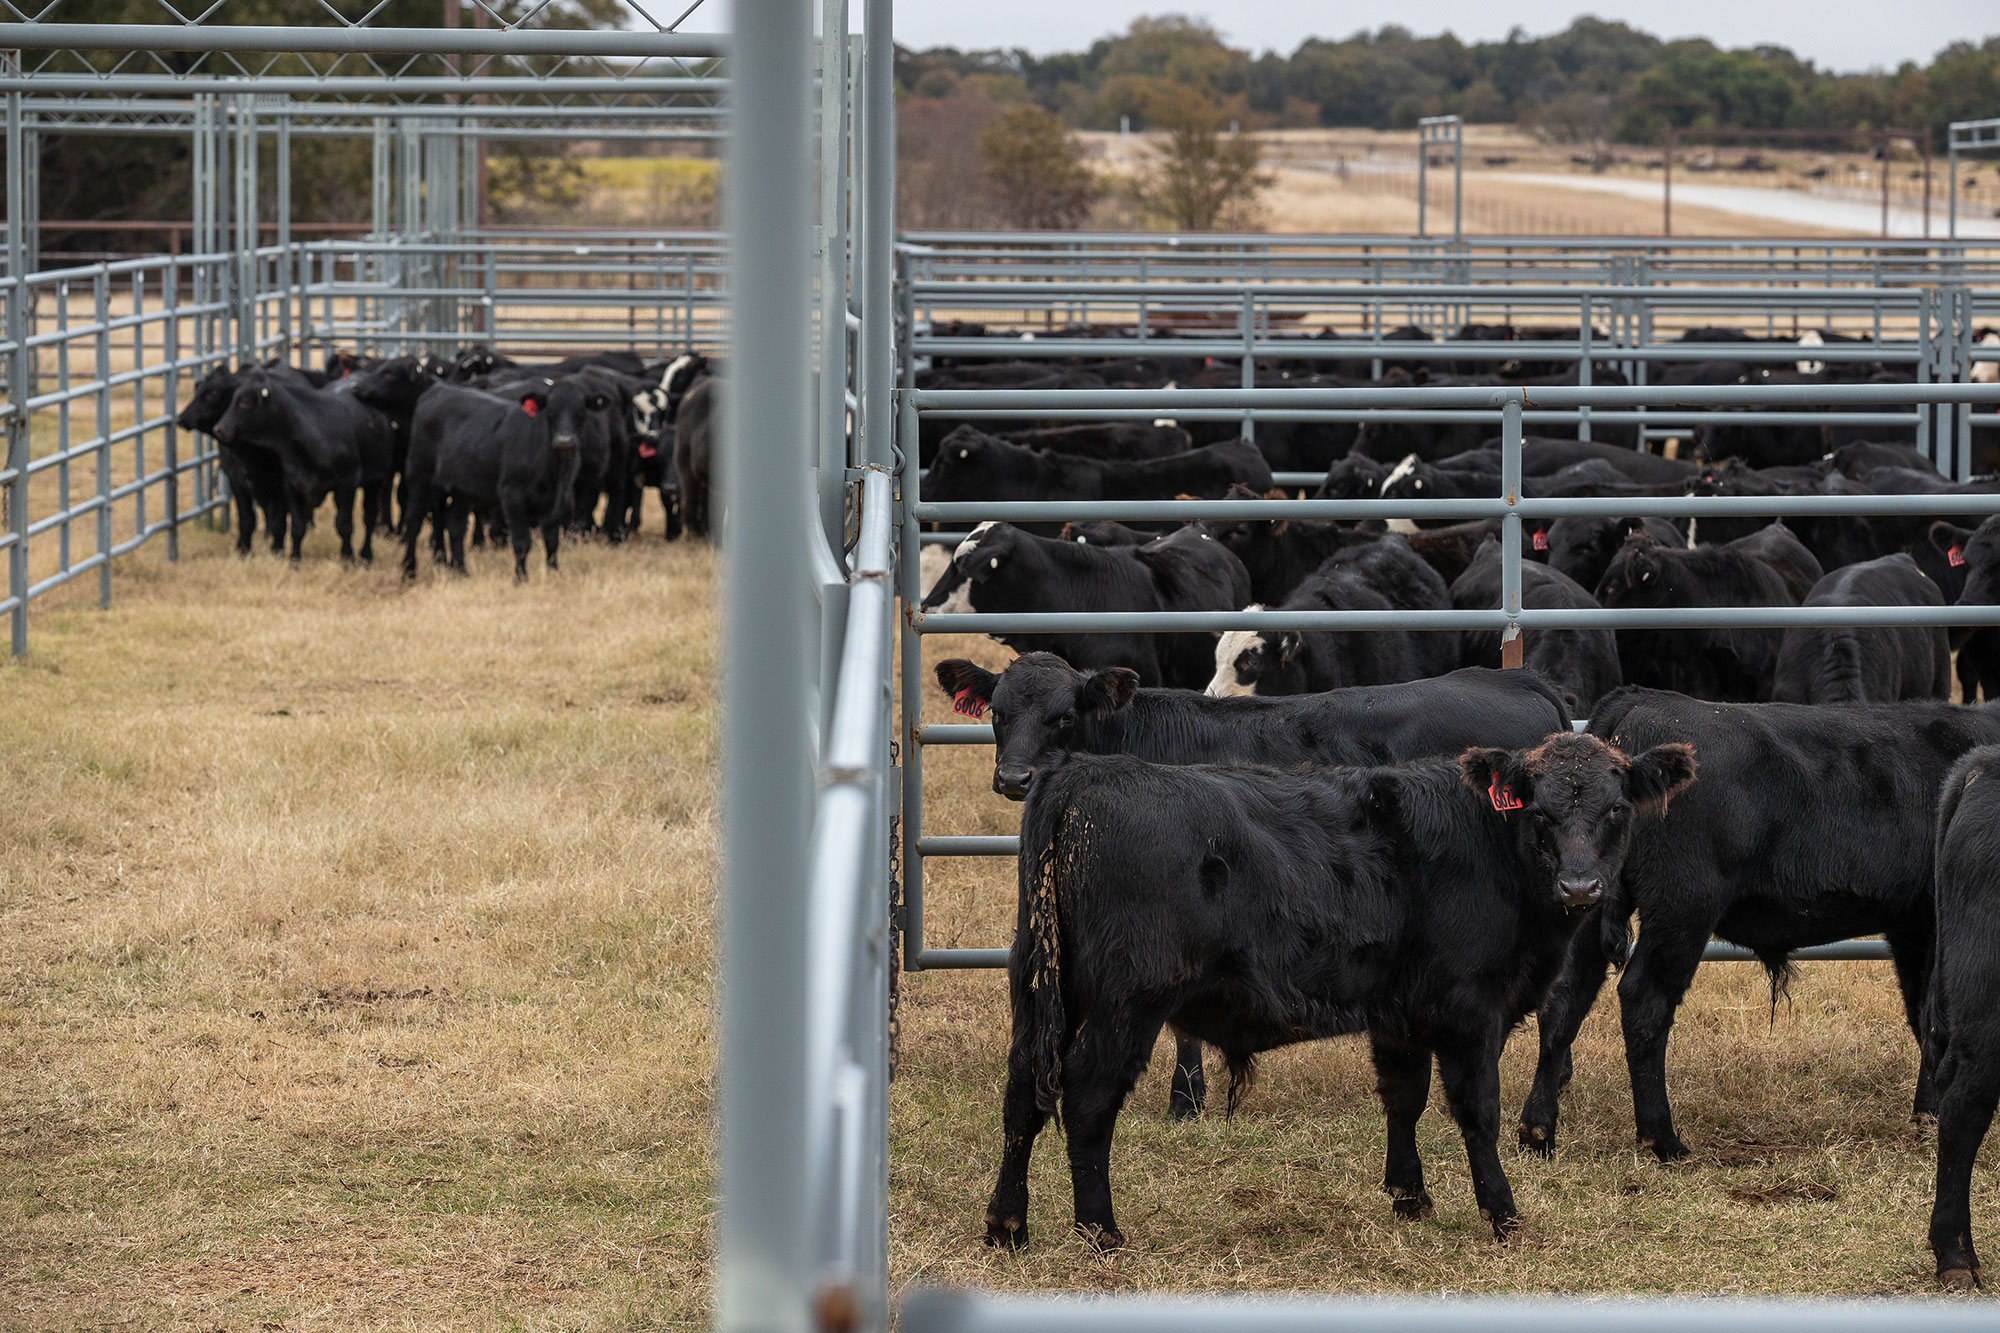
(356,967)
(1807,1175)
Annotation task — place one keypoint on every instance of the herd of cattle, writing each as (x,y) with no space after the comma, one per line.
(1265,838)
(507,448)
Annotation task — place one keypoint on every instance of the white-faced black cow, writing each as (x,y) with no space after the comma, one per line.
(1811,825)
(1425,904)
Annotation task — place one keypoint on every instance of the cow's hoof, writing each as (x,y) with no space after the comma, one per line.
(1959,1279)
(1928,1119)
(1538,1139)
(1412,1207)
(1101,1238)
(1667,1147)
(1010,1233)
(1504,1228)
(1182,1108)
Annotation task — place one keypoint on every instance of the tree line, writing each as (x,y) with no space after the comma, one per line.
(1594,79)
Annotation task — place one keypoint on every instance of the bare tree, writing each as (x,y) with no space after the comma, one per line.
(1199,179)
(1036,170)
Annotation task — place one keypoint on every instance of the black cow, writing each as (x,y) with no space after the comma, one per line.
(1001,568)
(1971,559)
(1847,665)
(1451,550)
(1580,664)
(327,444)
(472,451)
(1426,904)
(1811,825)
(1281,555)
(1102,439)
(1044,711)
(695,433)
(990,468)
(1308,661)
(1962,1012)
(1582,548)
(256,477)
(1355,477)
(392,387)
(1734,664)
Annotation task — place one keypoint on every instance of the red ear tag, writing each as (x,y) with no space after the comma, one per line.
(647,451)
(528,406)
(1956,555)
(1541,539)
(968,703)
(1503,798)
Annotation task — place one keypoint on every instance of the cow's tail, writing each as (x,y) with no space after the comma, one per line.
(1839,670)
(1050,834)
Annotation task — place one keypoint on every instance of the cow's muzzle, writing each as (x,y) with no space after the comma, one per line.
(563,444)
(1580,891)
(1013,783)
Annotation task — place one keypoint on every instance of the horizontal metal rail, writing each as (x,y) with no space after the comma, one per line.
(962,1311)
(330,39)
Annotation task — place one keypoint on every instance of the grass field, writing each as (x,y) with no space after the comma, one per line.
(1806,1176)
(357,975)
(356,947)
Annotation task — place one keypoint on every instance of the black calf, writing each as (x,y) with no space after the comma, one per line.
(1426,905)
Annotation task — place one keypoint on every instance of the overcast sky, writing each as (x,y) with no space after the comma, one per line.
(1838,34)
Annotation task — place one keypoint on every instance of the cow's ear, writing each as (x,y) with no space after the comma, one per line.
(1498,775)
(1289,646)
(1111,689)
(962,680)
(1945,536)
(1278,528)
(1659,775)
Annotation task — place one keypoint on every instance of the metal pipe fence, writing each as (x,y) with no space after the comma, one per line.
(97,360)
(1505,408)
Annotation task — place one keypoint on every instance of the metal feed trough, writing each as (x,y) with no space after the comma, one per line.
(823,780)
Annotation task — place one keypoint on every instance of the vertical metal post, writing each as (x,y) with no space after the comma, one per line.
(170,348)
(1457,180)
(1885,186)
(1927,318)
(286,265)
(1510,527)
(767,783)
(100,310)
(1248,320)
(833,267)
(29,219)
(1423,178)
(1583,370)
(1951,188)
(246,227)
(912,830)
(17,378)
(1667,187)
(878,234)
